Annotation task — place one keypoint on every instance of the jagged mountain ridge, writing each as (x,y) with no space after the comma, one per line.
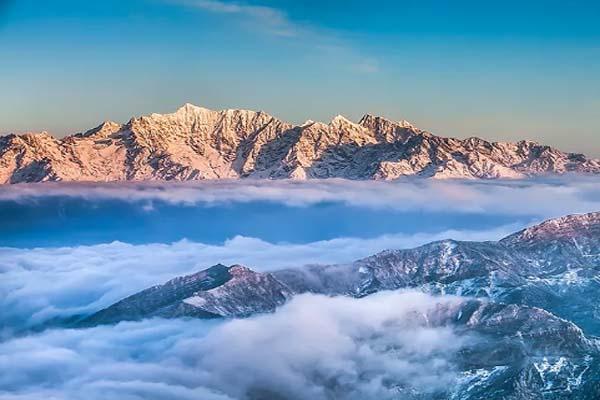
(528,295)
(533,267)
(197,143)
(218,291)
(554,265)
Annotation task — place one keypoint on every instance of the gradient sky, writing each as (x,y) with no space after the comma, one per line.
(500,70)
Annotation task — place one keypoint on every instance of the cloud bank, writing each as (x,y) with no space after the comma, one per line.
(314,347)
(39,284)
(542,197)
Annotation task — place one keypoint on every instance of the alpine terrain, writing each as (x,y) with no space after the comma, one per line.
(196,143)
(530,298)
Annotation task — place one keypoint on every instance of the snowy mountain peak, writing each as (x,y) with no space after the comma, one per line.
(104,129)
(568,227)
(238,270)
(479,269)
(196,143)
(370,121)
(405,124)
(189,108)
(341,120)
(530,322)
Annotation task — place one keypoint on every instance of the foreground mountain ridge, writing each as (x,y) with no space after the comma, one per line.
(528,306)
(521,268)
(196,143)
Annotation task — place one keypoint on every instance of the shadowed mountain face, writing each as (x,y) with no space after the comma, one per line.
(530,303)
(163,300)
(196,143)
(539,266)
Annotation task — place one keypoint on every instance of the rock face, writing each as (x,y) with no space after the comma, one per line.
(196,143)
(554,265)
(530,307)
(218,291)
(523,353)
(546,266)
(164,300)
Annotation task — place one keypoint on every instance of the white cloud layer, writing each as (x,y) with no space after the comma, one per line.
(544,198)
(314,347)
(43,283)
(40,284)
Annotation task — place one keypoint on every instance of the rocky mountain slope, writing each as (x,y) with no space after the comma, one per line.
(545,266)
(529,304)
(196,143)
(218,291)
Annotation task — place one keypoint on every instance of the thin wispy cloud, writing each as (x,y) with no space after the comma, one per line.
(278,23)
(271,20)
(366,66)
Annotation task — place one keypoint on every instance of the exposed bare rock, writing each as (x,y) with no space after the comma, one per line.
(525,301)
(553,265)
(196,143)
(246,293)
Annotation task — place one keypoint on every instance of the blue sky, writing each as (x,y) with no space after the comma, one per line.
(500,70)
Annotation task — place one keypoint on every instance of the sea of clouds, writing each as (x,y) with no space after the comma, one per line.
(548,197)
(39,284)
(45,283)
(315,347)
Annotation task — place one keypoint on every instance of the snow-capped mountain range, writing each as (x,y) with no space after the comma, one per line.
(533,267)
(196,143)
(530,298)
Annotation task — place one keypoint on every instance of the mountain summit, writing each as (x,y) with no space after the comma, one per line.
(527,303)
(555,259)
(196,143)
